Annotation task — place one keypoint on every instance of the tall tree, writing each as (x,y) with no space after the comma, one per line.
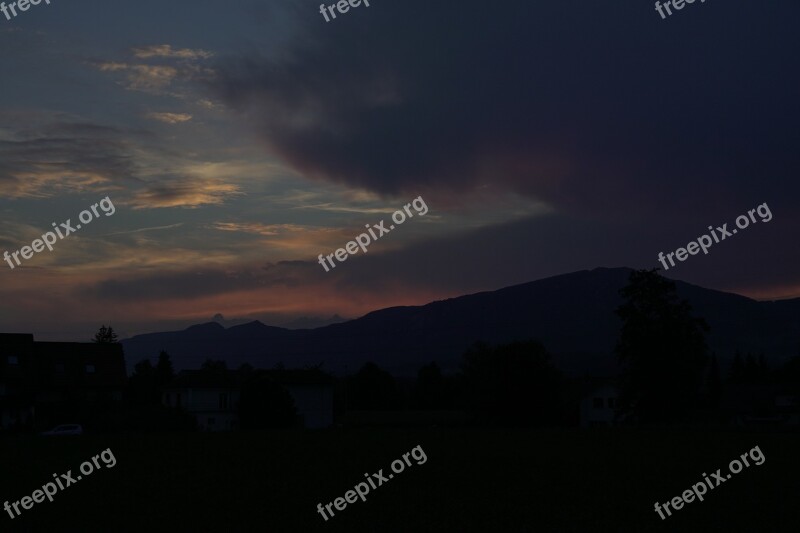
(143,386)
(714,381)
(147,382)
(164,369)
(763,367)
(146,412)
(736,375)
(662,349)
(751,369)
(105,335)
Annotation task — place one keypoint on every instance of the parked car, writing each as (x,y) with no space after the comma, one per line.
(66,429)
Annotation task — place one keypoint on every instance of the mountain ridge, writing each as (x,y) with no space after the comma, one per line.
(572,314)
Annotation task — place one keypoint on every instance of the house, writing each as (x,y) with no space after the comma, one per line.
(597,404)
(212,397)
(42,382)
(760,406)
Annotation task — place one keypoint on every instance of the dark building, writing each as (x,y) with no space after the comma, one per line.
(213,397)
(41,383)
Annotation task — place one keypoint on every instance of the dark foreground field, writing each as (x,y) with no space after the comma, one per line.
(473,480)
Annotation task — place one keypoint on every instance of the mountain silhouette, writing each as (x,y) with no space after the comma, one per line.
(571,314)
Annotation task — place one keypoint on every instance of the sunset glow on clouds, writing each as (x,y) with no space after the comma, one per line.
(239,145)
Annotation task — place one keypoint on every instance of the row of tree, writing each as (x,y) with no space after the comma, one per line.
(666,374)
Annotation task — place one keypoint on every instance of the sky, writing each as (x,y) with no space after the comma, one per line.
(239,141)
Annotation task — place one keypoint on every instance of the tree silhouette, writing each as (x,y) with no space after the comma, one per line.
(147,382)
(763,367)
(512,385)
(143,387)
(164,369)
(373,389)
(662,349)
(429,390)
(737,371)
(214,369)
(266,404)
(105,335)
(751,369)
(714,382)
(789,377)
(145,411)
(245,370)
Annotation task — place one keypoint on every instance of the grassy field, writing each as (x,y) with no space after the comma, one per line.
(473,480)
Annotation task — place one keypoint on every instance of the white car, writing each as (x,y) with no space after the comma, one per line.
(67,429)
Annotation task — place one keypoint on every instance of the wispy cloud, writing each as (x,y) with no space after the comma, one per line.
(346,209)
(165,50)
(183,192)
(300,240)
(142,230)
(143,77)
(171,65)
(62,158)
(170,118)
(256,228)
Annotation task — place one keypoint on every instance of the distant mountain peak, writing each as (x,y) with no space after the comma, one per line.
(254,324)
(206,326)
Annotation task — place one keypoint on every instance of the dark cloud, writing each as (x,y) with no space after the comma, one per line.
(600,108)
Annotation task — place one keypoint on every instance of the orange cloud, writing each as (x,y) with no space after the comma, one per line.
(189,192)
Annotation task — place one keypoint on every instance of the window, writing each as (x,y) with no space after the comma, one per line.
(13,360)
(223,400)
(90,369)
(611,402)
(598,403)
